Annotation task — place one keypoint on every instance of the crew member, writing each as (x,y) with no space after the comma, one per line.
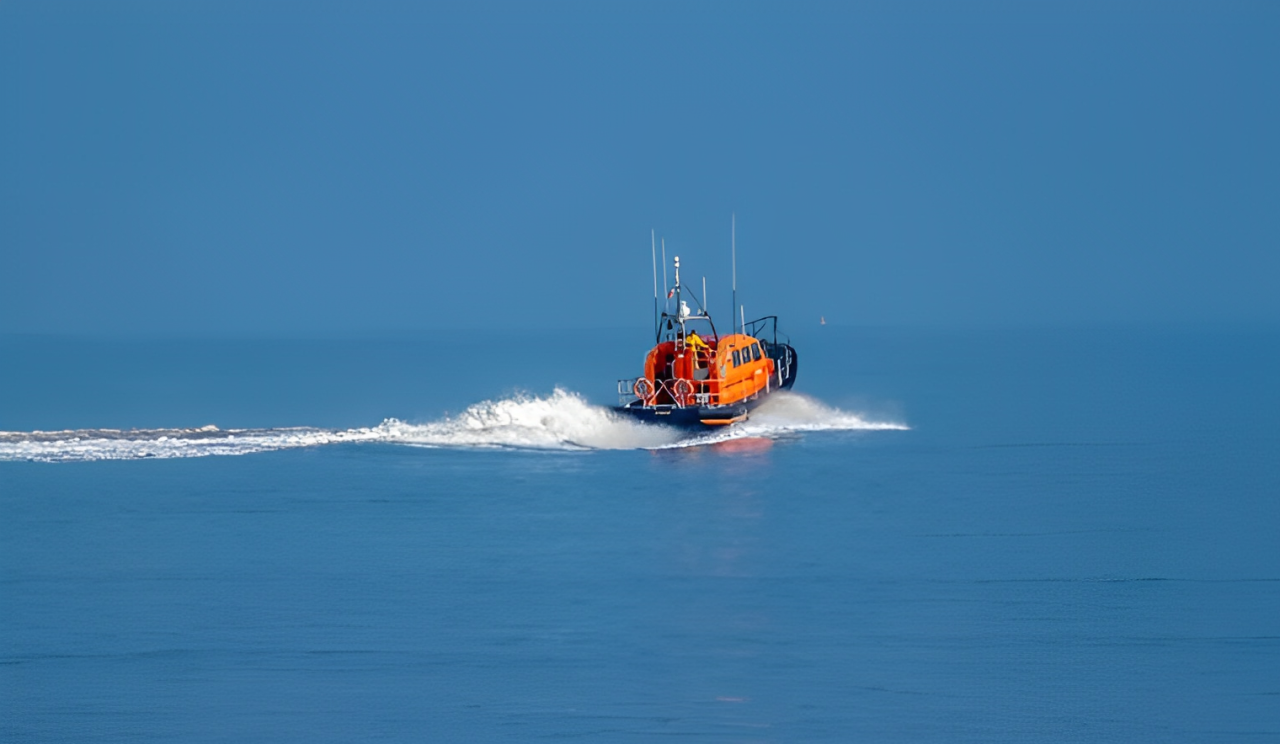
(698,345)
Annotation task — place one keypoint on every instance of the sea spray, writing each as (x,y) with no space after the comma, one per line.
(562,421)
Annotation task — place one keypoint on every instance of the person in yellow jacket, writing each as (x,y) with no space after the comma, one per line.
(695,342)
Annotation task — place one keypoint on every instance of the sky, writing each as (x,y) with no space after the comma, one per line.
(315,168)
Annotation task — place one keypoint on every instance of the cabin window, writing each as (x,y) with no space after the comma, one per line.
(736,359)
(755,352)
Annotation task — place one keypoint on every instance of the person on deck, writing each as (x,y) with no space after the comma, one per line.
(695,342)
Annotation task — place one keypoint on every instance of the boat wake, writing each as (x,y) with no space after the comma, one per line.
(560,421)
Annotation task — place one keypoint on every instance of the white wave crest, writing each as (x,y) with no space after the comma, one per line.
(787,413)
(560,421)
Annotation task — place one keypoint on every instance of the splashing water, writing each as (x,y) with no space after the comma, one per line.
(560,421)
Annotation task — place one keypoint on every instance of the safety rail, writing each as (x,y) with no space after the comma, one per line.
(680,395)
(765,329)
(686,394)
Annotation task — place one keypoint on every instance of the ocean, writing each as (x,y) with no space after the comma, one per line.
(941,535)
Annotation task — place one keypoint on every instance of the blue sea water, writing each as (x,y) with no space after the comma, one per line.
(1074,538)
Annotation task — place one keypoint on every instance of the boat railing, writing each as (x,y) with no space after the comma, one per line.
(765,329)
(664,390)
(671,392)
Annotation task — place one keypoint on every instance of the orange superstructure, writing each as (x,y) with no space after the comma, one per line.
(728,370)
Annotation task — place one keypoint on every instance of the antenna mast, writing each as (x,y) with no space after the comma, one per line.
(653,246)
(665,304)
(733,242)
(679,305)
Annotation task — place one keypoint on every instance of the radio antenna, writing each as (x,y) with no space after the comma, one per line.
(733,243)
(665,304)
(653,247)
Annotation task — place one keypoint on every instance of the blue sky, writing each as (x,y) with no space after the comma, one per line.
(280,168)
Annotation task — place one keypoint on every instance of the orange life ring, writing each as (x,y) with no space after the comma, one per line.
(643,388)
(683,390)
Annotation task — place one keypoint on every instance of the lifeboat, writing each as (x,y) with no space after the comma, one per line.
(695,376)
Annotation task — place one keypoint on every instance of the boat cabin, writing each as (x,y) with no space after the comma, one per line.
(705,371)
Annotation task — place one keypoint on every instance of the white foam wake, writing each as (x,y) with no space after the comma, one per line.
(560,421)
(792,413)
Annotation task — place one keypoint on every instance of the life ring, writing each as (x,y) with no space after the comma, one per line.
(683,390)
(643,388)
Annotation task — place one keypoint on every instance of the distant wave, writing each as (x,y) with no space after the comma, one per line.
(560,421)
